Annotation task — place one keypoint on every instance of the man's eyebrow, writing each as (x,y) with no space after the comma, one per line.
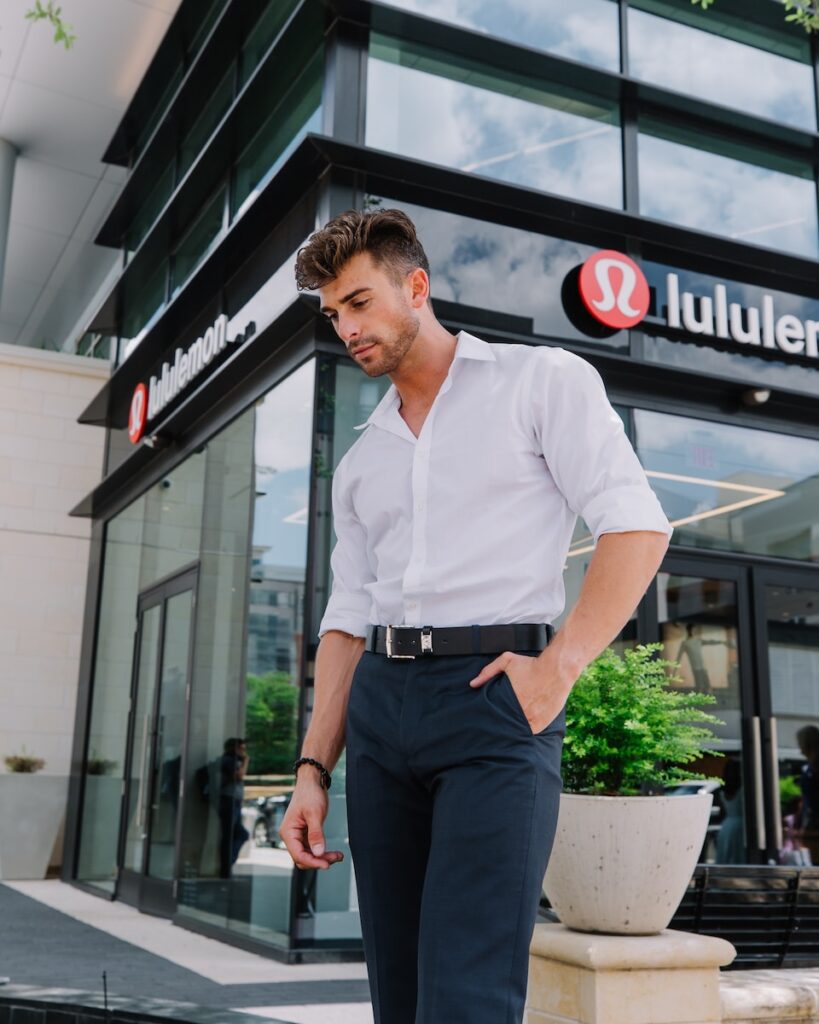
(347,298)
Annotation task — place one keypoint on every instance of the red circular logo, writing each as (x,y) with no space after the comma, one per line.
(138,413)
(614,289)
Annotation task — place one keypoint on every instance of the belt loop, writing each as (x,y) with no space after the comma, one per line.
(476,639)
(520,642)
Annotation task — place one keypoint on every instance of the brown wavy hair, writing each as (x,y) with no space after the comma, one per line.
(389,236)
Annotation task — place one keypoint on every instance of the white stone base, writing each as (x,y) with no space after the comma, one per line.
(670,978)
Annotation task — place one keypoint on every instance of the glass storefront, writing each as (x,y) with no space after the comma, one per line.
(195,809)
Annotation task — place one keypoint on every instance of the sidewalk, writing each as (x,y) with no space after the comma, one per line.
(57,937)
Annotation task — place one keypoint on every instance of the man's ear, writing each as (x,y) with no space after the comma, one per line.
(419,287)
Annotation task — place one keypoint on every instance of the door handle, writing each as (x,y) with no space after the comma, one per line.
(777,813)
(759,801)
(146,728)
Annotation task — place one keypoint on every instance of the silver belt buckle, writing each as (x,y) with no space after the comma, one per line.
(388,642)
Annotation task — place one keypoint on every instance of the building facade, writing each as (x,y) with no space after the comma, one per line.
(524,139)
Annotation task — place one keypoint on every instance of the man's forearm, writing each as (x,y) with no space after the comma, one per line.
(621,569)
(336,658)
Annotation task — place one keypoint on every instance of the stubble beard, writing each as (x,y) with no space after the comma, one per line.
(390,353)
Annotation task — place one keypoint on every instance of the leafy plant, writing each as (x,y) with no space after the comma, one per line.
(48,12)
(789,791)
(627,730)
(96,765)
(801,12)
(24,763)
(270,723)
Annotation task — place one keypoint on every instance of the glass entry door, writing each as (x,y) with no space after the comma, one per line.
(703,623)
(788,634)
(153,787)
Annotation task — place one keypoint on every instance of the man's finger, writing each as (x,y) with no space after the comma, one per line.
(292,837)
(492,669)
(315,833)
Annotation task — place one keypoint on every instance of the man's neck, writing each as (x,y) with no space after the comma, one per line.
(423,370)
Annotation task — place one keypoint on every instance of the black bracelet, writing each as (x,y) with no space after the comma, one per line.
(324,778)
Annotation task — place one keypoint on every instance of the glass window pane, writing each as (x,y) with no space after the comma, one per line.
(481,274)
(159,109)
(262,34)
(709,191)
(203,127)
(247,675)
(216,714)
(199,241)
(732,488)
(295,113)
(434,106)
(700,63)
(143,298)
(551,25)
(107,734)
(149,210)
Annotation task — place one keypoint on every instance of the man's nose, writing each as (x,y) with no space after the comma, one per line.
(348,329)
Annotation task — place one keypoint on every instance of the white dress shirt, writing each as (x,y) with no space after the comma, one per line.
(470,522)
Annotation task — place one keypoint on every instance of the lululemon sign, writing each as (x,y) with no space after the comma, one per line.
(177,375)
(138,413)
(613,289)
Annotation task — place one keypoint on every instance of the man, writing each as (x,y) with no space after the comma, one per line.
(232,770)
(454,511)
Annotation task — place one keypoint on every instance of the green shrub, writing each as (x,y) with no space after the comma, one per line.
(627,730)
(270,723)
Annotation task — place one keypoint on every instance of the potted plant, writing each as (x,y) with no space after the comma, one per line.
(32,807)
(623,855)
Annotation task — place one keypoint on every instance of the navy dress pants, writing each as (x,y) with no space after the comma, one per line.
(452,803)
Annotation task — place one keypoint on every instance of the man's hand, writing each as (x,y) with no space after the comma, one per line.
(540,692)
(301,829)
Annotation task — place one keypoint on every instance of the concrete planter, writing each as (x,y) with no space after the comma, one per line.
(620,864)
(32,808)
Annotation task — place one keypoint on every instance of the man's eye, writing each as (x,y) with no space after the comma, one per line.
(362,302)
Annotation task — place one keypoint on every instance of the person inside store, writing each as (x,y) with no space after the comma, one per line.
(233,835)
(730,846)
(437,665)
(808,739)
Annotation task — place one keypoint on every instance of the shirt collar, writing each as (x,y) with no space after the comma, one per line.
(467,347)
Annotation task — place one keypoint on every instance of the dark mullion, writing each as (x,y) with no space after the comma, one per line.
(623,22)
(345,81)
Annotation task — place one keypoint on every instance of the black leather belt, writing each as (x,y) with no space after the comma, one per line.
(417,641)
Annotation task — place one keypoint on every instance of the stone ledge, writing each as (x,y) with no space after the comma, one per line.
(773,996)
(669,950)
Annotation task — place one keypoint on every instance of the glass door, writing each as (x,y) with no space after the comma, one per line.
(788,654)
(703,622)
(157,745)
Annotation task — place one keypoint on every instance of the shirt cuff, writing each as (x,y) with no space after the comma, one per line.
(625,508)
(348,620)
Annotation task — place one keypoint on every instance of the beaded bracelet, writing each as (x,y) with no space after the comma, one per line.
(324,778)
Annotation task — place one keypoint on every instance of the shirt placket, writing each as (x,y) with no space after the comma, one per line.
(416,571)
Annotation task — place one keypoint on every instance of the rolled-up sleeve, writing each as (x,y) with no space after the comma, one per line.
(586,449)
(348,607)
